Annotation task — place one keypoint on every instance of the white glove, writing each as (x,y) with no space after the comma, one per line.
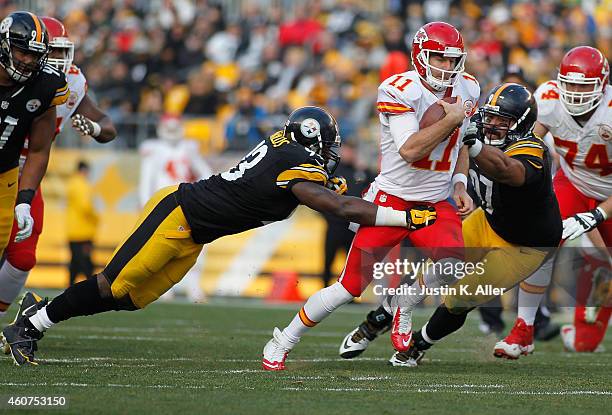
(25,222)
(85,126)
(582,222)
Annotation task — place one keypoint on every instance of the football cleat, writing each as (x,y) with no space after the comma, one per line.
(568,335)
(518,342)
(22,341)
(401,330)
(275,352)
(410,358)
(26,307)
(357,341)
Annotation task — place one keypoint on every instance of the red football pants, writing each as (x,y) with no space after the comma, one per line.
(371,244)
(22,255)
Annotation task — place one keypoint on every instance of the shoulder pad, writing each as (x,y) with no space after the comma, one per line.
(399,94)
(471,85)
(547,98)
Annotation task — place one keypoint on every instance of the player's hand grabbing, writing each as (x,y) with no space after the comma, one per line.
(582,222)
(471,132)
(337,184)
(85,126)
(25,222)
(455,113)
(420,216)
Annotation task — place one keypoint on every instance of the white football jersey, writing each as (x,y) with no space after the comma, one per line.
(77,84)
(164,164)
(585,150)
(428,179)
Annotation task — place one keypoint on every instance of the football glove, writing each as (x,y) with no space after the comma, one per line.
(25,222)
(85,126)
(471,132)
(582,222)
(420,216)
(337,184)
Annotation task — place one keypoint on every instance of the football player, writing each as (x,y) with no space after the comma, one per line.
(419,166)
(518,224)
(88,119)
(171,159)
(576,109)
(30,90)
(289,168)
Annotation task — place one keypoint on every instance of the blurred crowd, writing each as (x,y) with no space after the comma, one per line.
(241,65)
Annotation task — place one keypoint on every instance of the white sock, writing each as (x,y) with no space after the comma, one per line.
(319,305)
(426,336)
(532,290)
(435,275)
(41,320)
(12,281)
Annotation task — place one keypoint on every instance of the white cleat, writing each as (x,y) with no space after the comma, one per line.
(354,344)
(410,358)
(568,336)
(275,352)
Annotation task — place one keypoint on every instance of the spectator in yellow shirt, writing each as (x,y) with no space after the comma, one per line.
(81,222)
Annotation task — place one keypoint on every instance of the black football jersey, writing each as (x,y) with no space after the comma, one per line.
(526,215)
(255,192)
(21,104)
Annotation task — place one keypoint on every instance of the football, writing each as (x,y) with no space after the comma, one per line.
(435,113)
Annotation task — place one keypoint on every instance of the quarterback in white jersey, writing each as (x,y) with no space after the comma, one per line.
(420,169)
(88,120)
(402,100)
(576,109)
(166,161)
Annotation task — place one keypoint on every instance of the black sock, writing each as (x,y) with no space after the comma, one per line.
(81,299)
(419,342)
(379,318)
(443,322)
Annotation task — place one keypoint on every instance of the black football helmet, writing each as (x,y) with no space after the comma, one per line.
(27,33)
(518,108)
(317,130)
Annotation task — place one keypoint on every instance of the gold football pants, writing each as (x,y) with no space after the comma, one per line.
(8,195)
(501,264)
(156,255)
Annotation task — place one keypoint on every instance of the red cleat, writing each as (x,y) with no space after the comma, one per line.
(518,342)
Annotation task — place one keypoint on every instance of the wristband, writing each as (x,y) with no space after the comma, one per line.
(386,216)
(603,213)
(96,129)
(459,178)
(475,149)
(25,196)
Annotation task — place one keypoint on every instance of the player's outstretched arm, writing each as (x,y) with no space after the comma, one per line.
(91,120)
(499,166)
(360,211)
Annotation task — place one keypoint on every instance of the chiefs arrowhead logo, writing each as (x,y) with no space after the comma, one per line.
(420,37)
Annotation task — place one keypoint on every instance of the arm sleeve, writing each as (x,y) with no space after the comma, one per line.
(402,127)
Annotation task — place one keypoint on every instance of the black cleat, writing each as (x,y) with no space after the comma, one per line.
(19,338)
(21,341)
(27,307)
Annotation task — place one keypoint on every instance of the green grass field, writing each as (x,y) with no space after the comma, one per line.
(206,359)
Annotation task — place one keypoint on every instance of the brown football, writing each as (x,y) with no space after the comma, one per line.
(435,113)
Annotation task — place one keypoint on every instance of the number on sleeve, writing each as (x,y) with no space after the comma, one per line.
(400,85)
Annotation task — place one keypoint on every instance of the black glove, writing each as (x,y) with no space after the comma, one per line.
(420,216)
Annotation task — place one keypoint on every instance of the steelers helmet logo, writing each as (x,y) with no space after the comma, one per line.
(310,128)
(6,24)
